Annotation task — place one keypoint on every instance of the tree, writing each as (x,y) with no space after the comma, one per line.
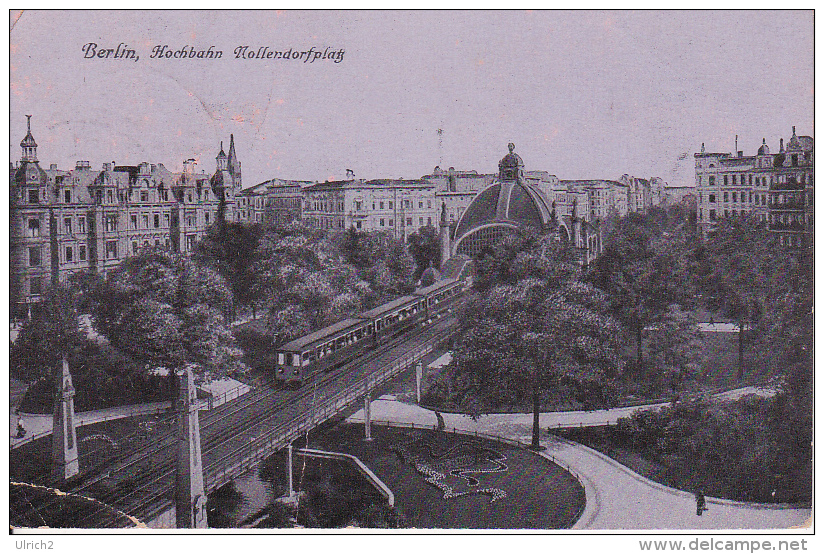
(164,309)
(305,283)
(547,329)
(230,248)
(644,269)
(425,249)
(52,331)
(741,270)
(381,259)
(674,345)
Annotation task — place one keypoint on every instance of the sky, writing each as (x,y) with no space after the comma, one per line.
(583,95)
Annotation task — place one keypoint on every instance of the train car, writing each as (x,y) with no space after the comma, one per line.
(337,344)
(439,295)
(395,317)
(323,350)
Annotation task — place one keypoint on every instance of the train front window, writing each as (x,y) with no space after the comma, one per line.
(296,360)
(281,358)
(305,358)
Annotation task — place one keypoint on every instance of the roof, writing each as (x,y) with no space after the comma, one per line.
(382,309)
(513,203)
(436,286)
(400,183)
(326,332)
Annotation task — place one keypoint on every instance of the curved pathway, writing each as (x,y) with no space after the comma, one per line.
(617,497)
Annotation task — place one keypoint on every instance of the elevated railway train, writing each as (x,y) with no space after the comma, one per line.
(332,346)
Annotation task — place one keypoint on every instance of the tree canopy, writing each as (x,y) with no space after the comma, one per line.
(165,309)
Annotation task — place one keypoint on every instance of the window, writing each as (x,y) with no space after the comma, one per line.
(157,242)
(391,221)
(145,221)
(409,222)
(712,180)
(429,204)
(712,215)
(734,179)
(189,197)
(358,205)
(34,256)
(190,242)
(382,222)
(206,215)
(726,213)
(190,220)
(429,221)
(381,205)
(795,160)
(34,227)
(110,196)
(144,196)
(134,247)
(69,254)
(133,219)
(726,197)
(420,205)
(36,285)
(712,198)
(67,225)
(68,196)
(81,224)
(81,252)
(750,179)
(165,220)
(390,204)
(156,221)
(358,224)
(406,204)
(34,196)
(420,221)
(111,223)
(735,197)
(111,249)
(725,180)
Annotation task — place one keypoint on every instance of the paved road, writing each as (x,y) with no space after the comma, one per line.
(617,497)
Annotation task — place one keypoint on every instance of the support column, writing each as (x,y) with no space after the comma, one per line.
(190,496)
(418,376)
(289,477)
(367,409)
(64,439)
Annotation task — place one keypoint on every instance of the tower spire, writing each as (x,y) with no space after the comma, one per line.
(28,144)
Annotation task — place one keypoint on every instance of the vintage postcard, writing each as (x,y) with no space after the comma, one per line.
(403,271)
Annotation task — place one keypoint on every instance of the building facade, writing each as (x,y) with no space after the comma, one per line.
(84,219)
(775,188)
(397,206)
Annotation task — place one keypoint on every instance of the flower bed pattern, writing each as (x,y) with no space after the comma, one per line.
(475,458)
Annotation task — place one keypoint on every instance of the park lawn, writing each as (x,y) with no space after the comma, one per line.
(718,365)
(32,462)
(539,494)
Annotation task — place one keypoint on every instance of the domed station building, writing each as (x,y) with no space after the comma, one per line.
(514,201)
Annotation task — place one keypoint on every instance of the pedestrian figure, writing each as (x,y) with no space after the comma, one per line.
(441,423)
(21,431)
(700,503)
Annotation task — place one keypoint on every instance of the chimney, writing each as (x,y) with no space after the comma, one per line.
(107,167)
(53,167)
(350,175)
(736,143)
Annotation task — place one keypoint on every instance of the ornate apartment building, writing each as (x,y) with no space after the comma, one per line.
(776,188)
(85,219)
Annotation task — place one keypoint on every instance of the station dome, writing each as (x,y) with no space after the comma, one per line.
(507,204)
